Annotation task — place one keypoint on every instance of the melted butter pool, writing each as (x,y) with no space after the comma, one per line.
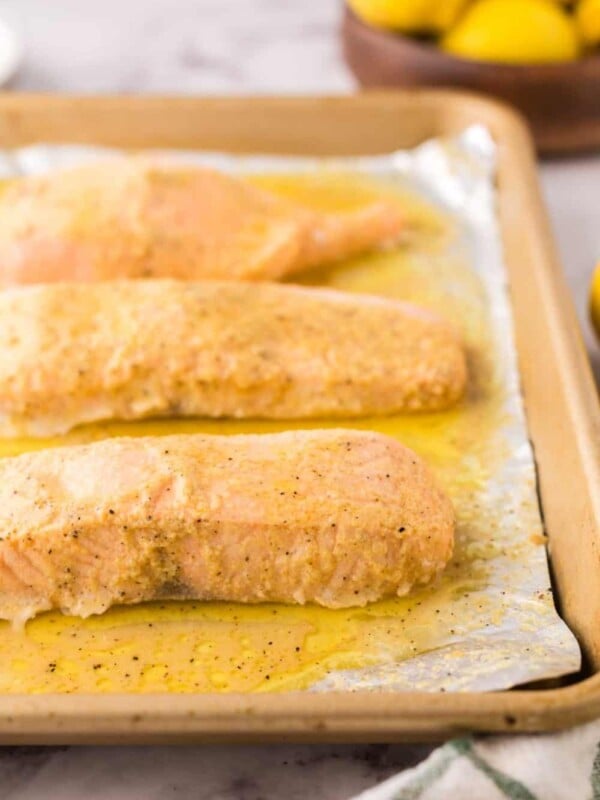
(195,647)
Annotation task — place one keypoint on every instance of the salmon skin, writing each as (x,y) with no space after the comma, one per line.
(77,353)
(138,218)
(335,517)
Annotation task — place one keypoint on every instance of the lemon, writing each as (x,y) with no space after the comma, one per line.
(595,300)
(409,16)
(587,15)
(514,31)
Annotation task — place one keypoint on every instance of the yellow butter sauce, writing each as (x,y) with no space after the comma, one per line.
(196,647)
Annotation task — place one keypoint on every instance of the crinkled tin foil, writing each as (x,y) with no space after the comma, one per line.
(502,630)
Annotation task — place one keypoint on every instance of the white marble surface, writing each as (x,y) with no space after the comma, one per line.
(572,191)
(209,46)
(229,46)
(290,772)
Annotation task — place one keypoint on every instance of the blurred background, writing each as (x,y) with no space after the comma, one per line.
(187,46)
(543,54)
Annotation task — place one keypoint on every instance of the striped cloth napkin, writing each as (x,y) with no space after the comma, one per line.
(560,766)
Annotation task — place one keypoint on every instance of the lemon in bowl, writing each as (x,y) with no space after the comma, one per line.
(409,16)
(587,16)
(594,302)
(514,32)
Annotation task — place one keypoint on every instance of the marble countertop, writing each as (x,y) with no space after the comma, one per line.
(210,772)
(210,47)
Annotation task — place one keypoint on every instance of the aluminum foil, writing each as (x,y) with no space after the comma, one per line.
(504,630)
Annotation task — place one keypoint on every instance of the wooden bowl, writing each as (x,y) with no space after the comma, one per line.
(561,101)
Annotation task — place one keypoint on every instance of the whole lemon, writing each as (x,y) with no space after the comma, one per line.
(587,15)
(595,300)
(409,16)
(514,31)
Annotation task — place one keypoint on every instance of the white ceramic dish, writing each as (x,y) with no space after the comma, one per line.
(11,53)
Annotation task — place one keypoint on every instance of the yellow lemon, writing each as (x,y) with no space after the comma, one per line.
(409,16)
(595,299)
(514,31)
(587,15)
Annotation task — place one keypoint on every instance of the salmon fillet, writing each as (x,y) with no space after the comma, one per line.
(135,218)
(339,518)
(76,353)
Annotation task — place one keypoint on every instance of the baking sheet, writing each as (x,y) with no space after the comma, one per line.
(490,622)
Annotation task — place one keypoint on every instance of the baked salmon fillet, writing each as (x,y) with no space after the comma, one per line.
(77,353)
(136,218)
(339,518)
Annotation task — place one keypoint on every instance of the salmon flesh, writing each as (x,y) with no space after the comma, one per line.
(335,517)
(77,353)
(138,218)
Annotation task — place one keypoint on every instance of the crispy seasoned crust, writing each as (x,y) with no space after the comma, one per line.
(74,353)
(336,517)
(138,218)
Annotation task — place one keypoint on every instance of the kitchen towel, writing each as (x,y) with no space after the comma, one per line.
(560,766)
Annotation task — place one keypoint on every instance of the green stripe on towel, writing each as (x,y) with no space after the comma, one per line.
(510,787)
